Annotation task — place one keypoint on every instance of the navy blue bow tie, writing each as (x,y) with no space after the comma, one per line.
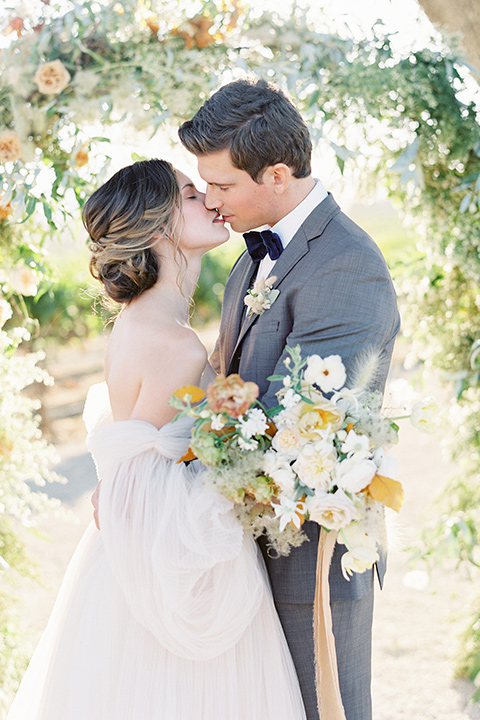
(263,242)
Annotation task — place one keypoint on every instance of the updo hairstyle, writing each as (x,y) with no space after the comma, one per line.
(123,219)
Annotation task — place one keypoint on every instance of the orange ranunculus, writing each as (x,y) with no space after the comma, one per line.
(231,395)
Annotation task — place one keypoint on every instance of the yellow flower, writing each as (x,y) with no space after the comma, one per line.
(52,77)
(10,146)
(320,416)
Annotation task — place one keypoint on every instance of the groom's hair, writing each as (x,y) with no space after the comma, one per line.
(258,124)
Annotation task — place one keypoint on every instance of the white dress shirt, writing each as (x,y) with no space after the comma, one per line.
(288,225)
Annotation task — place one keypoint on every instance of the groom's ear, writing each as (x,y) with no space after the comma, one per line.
(278,176)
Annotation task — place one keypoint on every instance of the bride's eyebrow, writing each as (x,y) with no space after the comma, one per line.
(189,185)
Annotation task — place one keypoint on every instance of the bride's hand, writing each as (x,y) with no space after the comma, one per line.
(95,498)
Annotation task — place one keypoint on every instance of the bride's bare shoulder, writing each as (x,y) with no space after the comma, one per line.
(145,363)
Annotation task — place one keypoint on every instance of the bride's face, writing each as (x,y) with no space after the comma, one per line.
(201,228)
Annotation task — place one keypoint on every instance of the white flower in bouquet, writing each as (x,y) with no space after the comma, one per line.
(332,510)
(287,443)
(285,478)
(218,422)
(314,465)
(290,399)
(354,474)
(287,418)
(279,469)
(250,445)
(361,553)
(358,445)
(253,423)
(346,400)
(289,511)
(328,373)
(425,415)
(387,466)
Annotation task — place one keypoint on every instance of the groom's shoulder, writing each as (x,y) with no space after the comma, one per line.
(332,234)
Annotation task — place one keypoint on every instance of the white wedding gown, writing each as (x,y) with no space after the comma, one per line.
(166,613)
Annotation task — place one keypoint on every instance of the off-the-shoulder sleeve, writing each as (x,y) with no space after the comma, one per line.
(186,570)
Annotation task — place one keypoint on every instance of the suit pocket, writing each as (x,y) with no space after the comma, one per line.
(265,327)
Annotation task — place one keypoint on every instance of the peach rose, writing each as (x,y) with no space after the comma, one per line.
(10,146)
(52,77)
(231,395)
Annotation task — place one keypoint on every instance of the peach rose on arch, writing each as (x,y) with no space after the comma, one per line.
(51,77)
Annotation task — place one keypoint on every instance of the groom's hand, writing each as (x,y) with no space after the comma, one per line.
(95,499)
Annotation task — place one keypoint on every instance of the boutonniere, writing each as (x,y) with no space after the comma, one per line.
(261,296)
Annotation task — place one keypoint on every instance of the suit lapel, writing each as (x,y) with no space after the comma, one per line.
(296,249)
(239,282)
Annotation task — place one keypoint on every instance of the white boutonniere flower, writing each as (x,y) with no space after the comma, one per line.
(261,297)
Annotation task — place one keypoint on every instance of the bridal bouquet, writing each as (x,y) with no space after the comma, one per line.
(309,458)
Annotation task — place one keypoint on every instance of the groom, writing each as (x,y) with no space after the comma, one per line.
(335,297)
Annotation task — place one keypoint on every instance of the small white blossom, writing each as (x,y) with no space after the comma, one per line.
(247,444)
(218,422)
(328,373)
(253,423)
(289,511)
(290,399)
(358,445)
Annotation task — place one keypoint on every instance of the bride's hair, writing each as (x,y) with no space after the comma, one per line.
(124,218)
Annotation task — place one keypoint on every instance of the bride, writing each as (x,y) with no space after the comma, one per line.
(165,613)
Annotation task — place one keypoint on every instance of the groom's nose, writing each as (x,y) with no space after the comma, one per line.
(212,198)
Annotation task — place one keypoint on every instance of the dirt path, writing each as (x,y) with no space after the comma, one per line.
(415,631)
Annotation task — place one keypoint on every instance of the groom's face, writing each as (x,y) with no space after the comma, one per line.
(242,202)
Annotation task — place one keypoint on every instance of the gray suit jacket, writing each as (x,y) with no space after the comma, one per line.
(336,297)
